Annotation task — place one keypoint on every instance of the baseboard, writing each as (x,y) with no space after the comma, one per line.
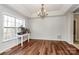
(47,39)
(75,46)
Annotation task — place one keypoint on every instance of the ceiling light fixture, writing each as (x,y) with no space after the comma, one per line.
(42,12)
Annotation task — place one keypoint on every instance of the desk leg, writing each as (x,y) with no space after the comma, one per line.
(28,37)
(17,40)
(21,41)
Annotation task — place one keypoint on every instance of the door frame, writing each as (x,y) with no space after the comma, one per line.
(75,29)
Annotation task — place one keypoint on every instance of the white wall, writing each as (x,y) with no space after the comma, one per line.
(52,28)
(68,34)
(1,27)
(8,44)
(48,28)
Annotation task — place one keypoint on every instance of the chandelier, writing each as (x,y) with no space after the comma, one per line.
(42,12)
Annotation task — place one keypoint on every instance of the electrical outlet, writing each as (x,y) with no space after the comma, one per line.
(59,36)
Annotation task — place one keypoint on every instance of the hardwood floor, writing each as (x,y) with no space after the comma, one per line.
(43,47)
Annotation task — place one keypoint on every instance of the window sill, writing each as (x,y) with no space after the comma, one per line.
(10,39)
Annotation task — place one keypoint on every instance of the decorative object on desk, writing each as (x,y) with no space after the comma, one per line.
(23,30)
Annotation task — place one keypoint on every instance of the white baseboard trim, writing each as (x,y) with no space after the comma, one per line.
(75,46)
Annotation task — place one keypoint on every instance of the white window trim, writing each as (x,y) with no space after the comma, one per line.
(13,38)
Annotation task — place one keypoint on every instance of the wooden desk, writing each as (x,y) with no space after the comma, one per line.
(22,37)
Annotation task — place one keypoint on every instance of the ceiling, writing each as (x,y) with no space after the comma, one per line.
(32,9)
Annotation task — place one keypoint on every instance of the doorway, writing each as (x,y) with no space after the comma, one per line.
(76,28)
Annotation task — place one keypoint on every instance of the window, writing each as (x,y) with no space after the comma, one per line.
(10,26)
(20,22)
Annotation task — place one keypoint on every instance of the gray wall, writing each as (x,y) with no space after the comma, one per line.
(53,28)
(50,28)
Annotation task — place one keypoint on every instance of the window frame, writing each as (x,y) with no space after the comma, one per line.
(15,27)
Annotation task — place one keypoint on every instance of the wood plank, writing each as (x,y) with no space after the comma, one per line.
(43,47)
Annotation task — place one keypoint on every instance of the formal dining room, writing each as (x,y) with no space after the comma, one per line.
(39,29)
